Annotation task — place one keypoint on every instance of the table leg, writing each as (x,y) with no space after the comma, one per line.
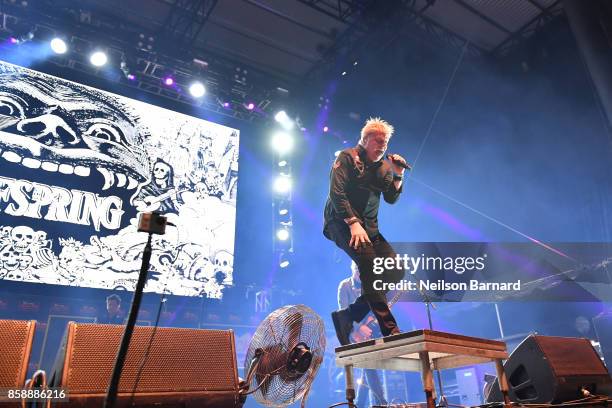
(350,384)
(503,382)
(427,378)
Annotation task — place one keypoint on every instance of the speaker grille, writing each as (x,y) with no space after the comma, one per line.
(16,342)
(571,356)
(178,359)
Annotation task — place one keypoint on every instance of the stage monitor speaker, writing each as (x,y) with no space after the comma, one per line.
(544,369)
(16,342)
(164,367)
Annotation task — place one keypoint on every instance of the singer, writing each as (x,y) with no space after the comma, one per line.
(358,178)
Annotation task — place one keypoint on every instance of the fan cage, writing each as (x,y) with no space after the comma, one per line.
(276,336)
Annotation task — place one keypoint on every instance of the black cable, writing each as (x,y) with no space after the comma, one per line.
(155,326)
(339,404)
(146,355)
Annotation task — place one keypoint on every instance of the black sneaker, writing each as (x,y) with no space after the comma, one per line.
(343,325)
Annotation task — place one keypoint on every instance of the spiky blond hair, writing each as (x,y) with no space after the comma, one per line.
(373,126)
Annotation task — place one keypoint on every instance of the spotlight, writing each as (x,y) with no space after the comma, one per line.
(343,73)
(284,120)
(226,104)
(250,106)
(283,211)
(168,81)
(197,89)
(283,260)
(325,129)
(281,116)
(58,46)
(98,59)
(282,142)
(282,234)
(125,68)
(282,184)
(282,163)
(23,32)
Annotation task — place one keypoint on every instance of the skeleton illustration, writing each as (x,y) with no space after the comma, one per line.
(160,193)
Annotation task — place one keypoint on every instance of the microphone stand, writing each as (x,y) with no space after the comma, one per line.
(111,396)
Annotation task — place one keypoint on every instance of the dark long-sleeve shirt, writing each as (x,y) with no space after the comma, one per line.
(355,189)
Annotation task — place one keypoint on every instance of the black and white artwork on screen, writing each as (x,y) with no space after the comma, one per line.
(78,164)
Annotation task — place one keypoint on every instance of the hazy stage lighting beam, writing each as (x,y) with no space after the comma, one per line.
(282,142)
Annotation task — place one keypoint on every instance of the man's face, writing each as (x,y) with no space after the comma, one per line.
(355,272)
(375,145)
(112,306)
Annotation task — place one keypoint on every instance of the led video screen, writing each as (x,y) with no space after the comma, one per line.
(78,164)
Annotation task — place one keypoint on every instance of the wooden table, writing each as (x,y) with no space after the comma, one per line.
(422,351)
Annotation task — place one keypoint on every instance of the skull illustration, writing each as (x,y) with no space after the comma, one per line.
(5,232)
(5,236)
(160,173)
(9,258)
(224,265)
(23,238)
(41,240)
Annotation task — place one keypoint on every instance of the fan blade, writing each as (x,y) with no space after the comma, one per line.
(294,323)
(272,359)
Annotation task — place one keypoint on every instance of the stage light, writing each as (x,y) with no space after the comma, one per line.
(282,234)
(281,116)
(284,120)
(282,163)
(337,153)
(343,73)
(226,104)
(58,46)
(126,68)
(13,40)
(250,106)
(168,81)
(282,184)
(282,142)
(325,129)
(98,59)
(197,89)
(284,263)
(283,211)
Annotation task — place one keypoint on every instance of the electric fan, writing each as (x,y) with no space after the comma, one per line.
(284,356)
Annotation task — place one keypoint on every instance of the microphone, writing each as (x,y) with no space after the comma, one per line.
(399,163)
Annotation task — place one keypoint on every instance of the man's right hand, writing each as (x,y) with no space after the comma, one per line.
(358,236)
(365,331)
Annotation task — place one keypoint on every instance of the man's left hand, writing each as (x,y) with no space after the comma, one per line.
(397,169)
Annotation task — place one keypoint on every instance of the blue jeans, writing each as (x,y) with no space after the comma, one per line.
(370,385)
